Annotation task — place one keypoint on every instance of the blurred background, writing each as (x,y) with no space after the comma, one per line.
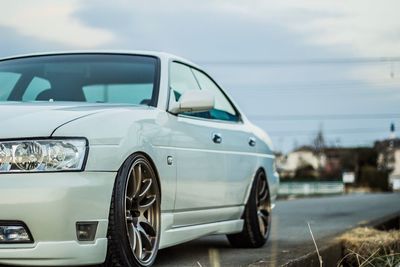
(321,77)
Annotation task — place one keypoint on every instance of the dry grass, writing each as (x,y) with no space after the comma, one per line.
(370,247)
(316,246)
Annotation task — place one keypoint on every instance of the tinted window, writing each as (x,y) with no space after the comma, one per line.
(119,93)
(8,80)
(35,87)
(223,108)
(105,78)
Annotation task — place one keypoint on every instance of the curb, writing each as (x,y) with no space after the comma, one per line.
(331,254)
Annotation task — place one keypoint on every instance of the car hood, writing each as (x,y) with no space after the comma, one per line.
(41,119)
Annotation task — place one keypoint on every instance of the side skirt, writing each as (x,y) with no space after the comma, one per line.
(177,235)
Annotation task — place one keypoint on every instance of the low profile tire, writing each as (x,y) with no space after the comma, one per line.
(134,221)
(256,216)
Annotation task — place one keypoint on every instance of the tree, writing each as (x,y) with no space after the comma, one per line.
(319,141)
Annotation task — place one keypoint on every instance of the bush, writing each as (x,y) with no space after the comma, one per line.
(370,177)
(305,172)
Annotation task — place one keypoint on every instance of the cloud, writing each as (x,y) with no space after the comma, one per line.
(224,30)
(356,28)
(366,27)
(51,21)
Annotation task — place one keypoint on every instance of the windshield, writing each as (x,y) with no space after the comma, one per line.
(94,78)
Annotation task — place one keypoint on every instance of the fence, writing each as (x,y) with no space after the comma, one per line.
(310,188)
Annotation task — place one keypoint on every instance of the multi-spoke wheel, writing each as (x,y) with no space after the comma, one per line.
(142,211)
(134,226)
(257,216)
(263,206)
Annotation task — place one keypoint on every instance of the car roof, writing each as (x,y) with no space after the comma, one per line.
(162,55)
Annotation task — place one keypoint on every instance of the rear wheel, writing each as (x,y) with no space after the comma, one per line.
(134,221)
(257,216)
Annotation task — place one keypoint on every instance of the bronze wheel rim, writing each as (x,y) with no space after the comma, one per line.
(263,206)
(142,209)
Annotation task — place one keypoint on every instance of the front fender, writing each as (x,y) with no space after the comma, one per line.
(114,136)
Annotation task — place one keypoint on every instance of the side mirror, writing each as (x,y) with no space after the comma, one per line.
(193,101)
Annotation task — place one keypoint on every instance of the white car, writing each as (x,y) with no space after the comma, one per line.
(107,157)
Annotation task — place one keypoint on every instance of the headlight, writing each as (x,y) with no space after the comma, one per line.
(42,155)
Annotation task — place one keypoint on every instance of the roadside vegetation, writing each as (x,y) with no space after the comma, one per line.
(371,175)
(368,247)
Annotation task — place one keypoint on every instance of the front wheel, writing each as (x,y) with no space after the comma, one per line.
(134,221)
(257,216)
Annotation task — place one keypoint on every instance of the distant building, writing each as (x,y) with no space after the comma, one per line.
(389,159)
(303,157)
(392,131)
(328,164)
(334,162)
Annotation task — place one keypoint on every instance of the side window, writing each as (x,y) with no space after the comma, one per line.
(35,87)
(223,109)
(181,80)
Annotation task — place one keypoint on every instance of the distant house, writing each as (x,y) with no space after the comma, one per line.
(328,164)
(389,159)
(302,158)
(339,160)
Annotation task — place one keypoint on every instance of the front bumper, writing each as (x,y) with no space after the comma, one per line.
(50,204)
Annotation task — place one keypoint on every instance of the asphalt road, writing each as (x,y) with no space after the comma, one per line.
(290,237)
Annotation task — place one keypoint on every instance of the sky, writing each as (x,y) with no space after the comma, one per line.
(293,66)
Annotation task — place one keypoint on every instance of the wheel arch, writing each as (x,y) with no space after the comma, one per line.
(152,163)
(258,170)
(114,252)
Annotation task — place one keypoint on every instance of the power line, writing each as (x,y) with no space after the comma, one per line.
(321,61)
(362,90)
(319,86)
(329,132)
(312,117)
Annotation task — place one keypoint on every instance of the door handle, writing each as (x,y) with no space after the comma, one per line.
(252,141)
(217,138)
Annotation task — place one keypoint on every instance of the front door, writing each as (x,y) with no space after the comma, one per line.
(213,169)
